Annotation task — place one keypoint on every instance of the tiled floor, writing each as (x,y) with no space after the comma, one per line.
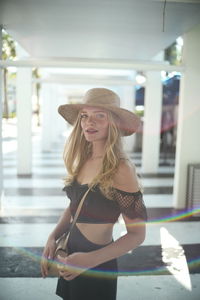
(166,266)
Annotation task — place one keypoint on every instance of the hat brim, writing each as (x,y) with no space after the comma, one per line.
(129,122)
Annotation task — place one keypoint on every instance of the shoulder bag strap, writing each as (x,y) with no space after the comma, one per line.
(76,215)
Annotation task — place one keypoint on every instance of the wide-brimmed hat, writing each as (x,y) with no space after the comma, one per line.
(106,99)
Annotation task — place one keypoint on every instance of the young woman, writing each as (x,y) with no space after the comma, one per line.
(94,158)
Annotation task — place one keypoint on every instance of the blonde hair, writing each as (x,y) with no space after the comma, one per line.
(77,150)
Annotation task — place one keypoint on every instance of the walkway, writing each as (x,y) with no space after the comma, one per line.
(159,269)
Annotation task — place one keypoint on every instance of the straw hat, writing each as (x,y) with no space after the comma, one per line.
(106,99)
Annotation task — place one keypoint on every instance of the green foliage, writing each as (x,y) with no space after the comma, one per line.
(173,54)
(8,52)
(8,47)
(139,113)
(11,115)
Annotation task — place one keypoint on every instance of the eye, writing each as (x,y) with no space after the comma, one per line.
(100,116)
(83,116)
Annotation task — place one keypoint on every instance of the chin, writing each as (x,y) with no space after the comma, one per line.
(94,139)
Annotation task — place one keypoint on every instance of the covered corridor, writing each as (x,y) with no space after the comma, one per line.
(82,44)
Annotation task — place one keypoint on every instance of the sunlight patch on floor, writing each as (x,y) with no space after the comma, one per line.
(174,257)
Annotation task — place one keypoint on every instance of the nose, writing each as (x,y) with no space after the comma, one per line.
(90,119)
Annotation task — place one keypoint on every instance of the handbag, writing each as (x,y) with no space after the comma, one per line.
(61,243)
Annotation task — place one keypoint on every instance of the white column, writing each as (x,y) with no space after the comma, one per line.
(49,110)
(24,121)
(1,109)
(188,137)
(128,102)
(152,120)
(54,112)
(46,117)
(62,125)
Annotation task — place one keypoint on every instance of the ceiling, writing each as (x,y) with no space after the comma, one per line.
(97,29)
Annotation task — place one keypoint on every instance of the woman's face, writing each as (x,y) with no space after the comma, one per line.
(94,123)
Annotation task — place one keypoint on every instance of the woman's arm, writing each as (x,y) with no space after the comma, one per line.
(50,247)
(78,262)
(132,239)
(62,224)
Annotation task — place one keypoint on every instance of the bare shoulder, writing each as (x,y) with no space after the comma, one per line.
(126,177)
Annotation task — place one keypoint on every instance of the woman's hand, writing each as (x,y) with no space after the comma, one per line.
(74,264)
(48,253)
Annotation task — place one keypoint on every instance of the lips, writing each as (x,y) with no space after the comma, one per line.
(91,130)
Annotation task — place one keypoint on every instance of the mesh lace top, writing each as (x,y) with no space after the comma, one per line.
(99,209)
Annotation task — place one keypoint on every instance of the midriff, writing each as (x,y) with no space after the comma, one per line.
(100,234)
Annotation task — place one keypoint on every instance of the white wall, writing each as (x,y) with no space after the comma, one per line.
(188,131)
(1,100)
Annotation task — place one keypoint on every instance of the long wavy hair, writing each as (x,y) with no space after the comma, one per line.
(77,150)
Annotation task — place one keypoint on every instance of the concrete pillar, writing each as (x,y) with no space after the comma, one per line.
(188,138)
(52,102)
(24,121)
(152,120)
(49,110)
(45,117)
(62,126)
(1,110)
(128,102)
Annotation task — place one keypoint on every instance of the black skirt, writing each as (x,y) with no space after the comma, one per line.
(99,283)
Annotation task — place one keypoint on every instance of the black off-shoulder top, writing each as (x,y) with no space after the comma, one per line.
(97,209)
